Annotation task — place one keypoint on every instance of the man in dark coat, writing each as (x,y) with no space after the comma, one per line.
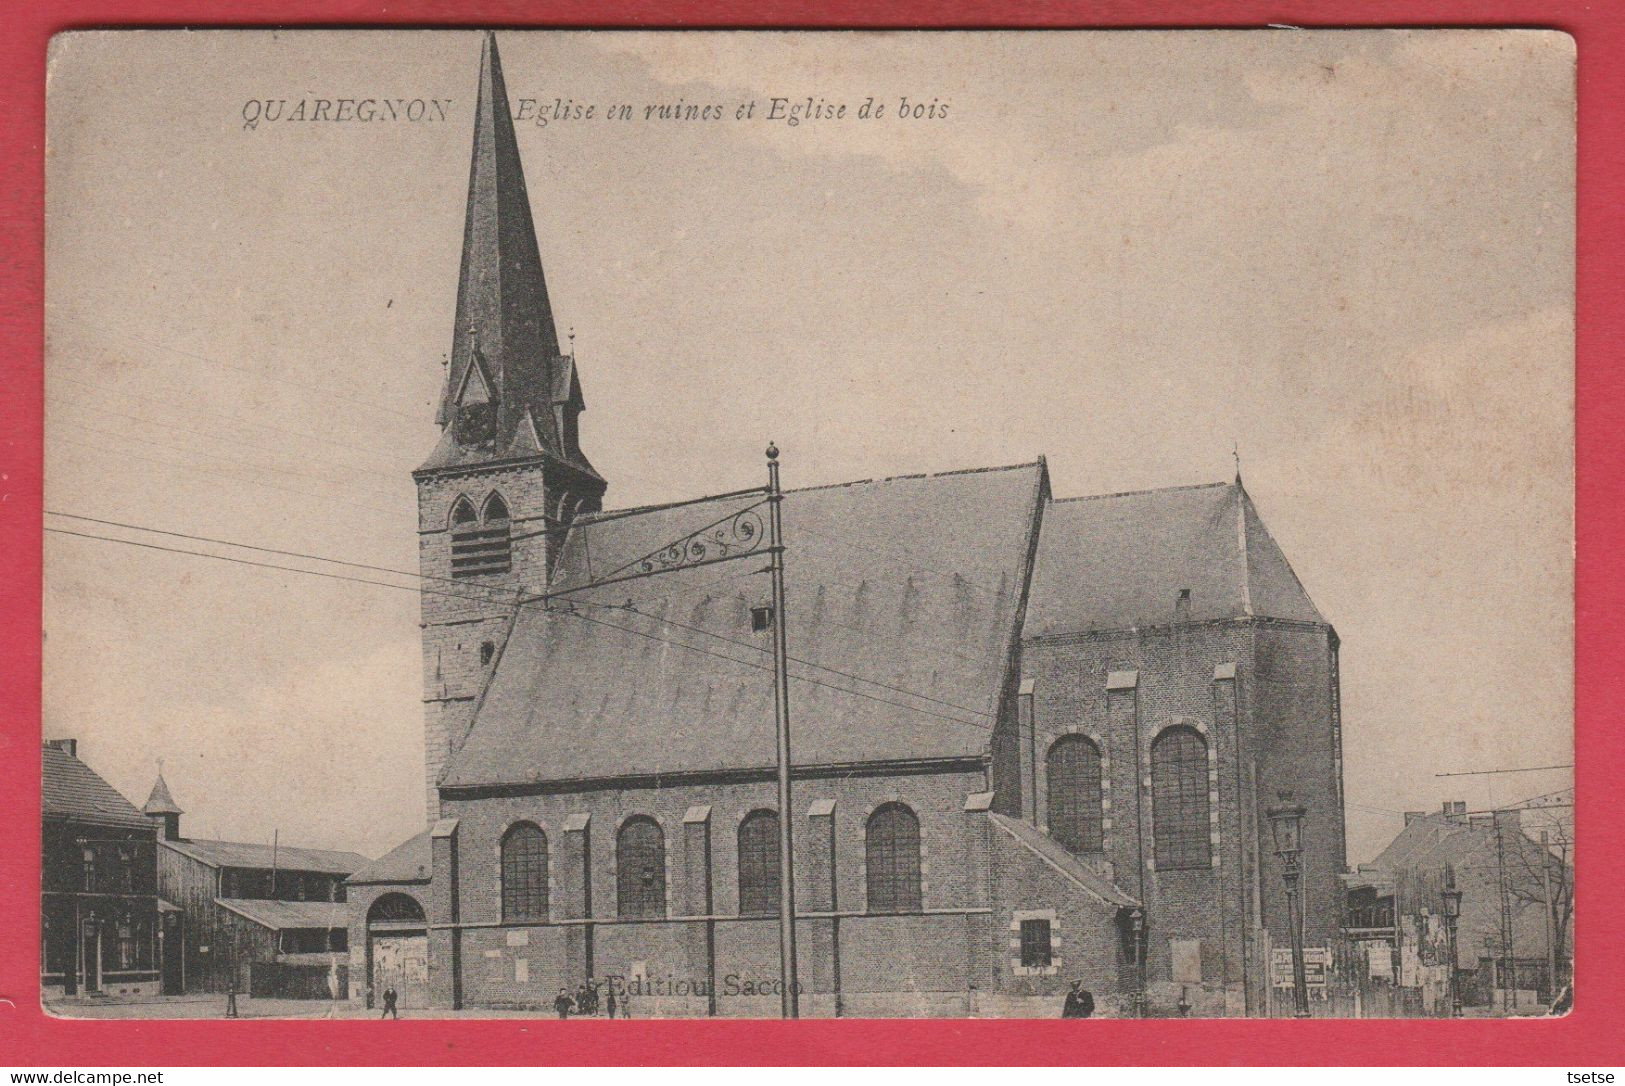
(389,1004)
(562,1003)
(1079,1002)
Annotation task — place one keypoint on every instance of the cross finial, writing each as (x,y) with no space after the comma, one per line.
(1235,451)
(572,341)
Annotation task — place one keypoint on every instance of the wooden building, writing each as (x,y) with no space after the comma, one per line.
(246,903)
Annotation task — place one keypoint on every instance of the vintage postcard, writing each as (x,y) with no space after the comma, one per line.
(1068,524)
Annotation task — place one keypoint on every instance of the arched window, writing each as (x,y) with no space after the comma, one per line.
(892,857)
(640,868)
(1179,799)
(759,864)
(483,547)
(1072,773)
(524,873)
(395,908)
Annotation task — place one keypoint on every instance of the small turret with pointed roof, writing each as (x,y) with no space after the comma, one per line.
(162,808)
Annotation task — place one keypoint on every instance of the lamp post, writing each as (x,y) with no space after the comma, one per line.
(1286,821)
(1452,913)
(1136,928)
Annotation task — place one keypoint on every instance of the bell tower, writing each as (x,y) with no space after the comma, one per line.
(507,475)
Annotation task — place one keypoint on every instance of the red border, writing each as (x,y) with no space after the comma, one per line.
(27,1035)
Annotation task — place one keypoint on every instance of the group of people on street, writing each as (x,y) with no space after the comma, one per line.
(584,1004)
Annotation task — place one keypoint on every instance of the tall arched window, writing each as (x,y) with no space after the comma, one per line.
(483,546)
(759,864)
(1179,799)
(892,858)
(524,873)
(640,868)
(1072,773)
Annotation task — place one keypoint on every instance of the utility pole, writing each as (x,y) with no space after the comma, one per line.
(1551,922)
(1509,979)
(789,997)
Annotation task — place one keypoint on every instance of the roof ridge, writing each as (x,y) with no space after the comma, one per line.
(916,475)
(1134,493)
(1244,504)
(604,515)
(263,844)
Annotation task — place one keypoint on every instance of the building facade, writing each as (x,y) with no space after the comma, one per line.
(1513,945)
(1033,739)
(101,932)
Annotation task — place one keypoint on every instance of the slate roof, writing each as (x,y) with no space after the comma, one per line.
(71,789)
(246,854)
(1118,561)
(159,801)
(912,582)
(406,862)
(289,915)
(1069,866)
(504,324)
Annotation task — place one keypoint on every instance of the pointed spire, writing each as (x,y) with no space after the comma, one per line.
(160,801)
(504,317)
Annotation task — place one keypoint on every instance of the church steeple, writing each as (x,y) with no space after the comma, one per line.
(509,390)
(507,478)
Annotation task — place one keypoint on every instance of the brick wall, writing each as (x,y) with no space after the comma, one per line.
(924,954)
(459,617)
(1260,694)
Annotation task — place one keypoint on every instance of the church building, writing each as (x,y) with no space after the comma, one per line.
(1033,738)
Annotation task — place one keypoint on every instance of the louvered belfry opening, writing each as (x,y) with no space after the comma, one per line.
(481,545)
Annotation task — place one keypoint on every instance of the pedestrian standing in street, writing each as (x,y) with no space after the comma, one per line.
(609,999)
(1086,1002)
(389,1004)
(562,1003)
(1069,1009)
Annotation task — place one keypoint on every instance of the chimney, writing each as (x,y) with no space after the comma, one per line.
(1455,810)
(70,747)
(1182,606)
(1414,816)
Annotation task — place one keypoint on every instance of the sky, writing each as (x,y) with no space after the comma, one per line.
(1346,257)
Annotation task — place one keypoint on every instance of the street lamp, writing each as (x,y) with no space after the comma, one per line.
(1136,924)
(1452,913)
(1286,821)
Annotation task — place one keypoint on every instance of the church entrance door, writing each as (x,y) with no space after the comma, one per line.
(401,962)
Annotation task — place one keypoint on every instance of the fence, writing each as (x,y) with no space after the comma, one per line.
(298,980)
